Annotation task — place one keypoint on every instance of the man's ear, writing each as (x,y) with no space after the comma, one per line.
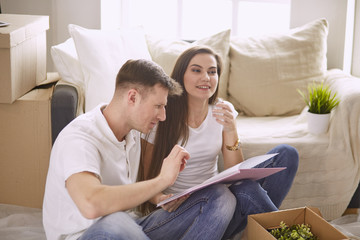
(132,96)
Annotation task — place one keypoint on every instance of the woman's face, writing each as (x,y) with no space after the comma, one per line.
(201,76)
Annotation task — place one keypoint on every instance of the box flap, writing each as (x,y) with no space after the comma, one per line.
(21,28)
(256,231)
(272,219)
(43,93)
(322,228)
(50,78)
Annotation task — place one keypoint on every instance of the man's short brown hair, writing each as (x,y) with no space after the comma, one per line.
(145,74)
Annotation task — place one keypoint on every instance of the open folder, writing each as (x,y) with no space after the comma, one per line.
(243,170)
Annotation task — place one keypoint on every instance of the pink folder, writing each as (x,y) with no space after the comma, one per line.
(243,170)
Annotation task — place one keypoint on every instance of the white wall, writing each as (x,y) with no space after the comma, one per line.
(356,54)
(303,11)
(87,13)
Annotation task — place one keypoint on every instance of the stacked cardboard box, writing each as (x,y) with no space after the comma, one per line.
(25,145)
(25,118)
(22,54)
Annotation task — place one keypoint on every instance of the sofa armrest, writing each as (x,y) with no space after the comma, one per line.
(64,105)
(346,85)
(347,88)
(347,112)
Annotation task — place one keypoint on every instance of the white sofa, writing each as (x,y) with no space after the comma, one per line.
(260,77)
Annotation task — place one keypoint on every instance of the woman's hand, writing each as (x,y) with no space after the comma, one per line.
(224,115)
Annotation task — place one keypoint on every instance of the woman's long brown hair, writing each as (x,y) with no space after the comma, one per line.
(175,127)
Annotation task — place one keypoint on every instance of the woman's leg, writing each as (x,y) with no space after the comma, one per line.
(278,185)
(251,198)
(267,194)
(115,226)
(204,215)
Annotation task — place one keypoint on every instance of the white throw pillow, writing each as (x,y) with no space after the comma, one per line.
(266,71)
(166,51)
(101,54)
(67,63)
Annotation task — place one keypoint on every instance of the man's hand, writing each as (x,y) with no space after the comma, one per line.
(173,164)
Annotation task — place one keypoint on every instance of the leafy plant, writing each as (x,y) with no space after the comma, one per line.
(296,231)
(320,99)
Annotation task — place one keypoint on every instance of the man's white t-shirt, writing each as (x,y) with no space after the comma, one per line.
(204,145)
(86,144)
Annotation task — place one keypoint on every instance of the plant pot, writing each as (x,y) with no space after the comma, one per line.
(318,123)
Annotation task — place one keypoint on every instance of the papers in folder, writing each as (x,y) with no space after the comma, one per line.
(243,170)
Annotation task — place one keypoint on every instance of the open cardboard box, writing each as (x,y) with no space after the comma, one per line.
(259,223)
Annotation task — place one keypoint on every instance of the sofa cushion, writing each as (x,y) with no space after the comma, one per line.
(266,71)
(67,63)
(101,54)
(166,51)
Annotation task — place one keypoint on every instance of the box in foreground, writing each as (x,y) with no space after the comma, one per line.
(258,224)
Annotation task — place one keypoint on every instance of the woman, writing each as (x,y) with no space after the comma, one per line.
(205,125)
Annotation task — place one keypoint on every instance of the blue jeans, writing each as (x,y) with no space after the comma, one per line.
(216,212)
(206,214)
(266,194)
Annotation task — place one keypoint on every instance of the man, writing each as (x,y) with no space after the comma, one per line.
(91,185)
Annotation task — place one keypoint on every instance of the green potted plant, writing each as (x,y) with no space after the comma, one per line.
(320,101)
(296,231)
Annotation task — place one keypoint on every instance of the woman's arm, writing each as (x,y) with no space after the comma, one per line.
(231,157)
(232,152)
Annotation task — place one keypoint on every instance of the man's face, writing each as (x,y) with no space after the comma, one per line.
(151,109)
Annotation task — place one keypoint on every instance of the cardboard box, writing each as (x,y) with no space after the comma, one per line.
(22,54)
(25,145)
(259,223)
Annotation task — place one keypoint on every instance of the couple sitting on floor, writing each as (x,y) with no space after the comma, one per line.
(112,165)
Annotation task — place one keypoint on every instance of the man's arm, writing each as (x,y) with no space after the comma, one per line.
(94,199)
(147,150)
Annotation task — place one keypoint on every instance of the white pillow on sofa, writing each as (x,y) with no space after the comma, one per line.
(265,71)
(166,51)
(101,54)
(67,63)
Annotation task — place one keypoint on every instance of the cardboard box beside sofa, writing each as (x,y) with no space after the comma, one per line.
(22,54)
(25,145)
